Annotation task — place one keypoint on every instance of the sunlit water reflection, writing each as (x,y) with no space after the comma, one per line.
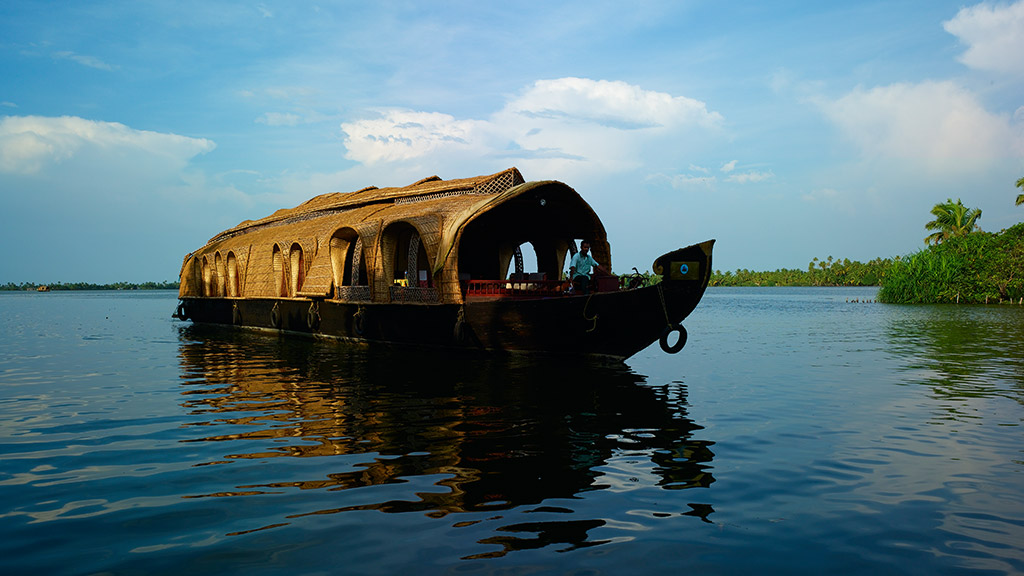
(800,430)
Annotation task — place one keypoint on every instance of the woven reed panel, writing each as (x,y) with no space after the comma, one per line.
(369,231)
(320,276)
(260,280)
(449,287)
(242,258)
(379,279)
(188,285)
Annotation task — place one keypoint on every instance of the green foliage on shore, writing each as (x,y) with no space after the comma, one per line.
(29,286)
(828,272)
(980,267)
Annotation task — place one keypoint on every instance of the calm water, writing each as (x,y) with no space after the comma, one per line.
(800,431)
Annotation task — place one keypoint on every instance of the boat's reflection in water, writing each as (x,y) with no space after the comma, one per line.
(495,434)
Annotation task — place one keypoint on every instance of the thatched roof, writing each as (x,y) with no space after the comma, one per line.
(427,188)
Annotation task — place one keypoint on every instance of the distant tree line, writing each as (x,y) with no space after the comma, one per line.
(30,286)
(827,272)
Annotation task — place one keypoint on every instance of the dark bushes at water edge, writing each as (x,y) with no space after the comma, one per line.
(980,267)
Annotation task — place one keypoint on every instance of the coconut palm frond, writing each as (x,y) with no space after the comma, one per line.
(952,219)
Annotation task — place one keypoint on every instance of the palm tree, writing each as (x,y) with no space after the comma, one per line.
(952,219)
(1020,197)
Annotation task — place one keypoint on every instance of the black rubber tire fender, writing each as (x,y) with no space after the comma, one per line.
(275,316)
(359,322)
(679,343)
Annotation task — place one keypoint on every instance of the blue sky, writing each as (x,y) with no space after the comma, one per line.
(132,132)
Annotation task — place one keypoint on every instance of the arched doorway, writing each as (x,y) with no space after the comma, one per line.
(280,283)
(297,268)
(348,265)
(232,275)
(406,264)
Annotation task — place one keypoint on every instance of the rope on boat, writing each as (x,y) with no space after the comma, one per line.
(664,308)
(670,327)
(313,316)
(359,320)
(594,319)
(459,332)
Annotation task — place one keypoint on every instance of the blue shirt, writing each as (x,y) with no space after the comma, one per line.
(582,263)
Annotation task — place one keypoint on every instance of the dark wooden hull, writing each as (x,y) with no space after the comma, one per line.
(614,324)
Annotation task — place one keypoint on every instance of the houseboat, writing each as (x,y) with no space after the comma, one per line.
(440,263)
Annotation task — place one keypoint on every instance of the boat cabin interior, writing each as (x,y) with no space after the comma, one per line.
(522,247)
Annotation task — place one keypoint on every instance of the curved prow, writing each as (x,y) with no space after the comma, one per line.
(690,264)
(685,274)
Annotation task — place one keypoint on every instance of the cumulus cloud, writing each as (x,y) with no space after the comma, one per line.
(938,123)
(30,144)
(571,121)
(609,103)
(399,135)
(994,35)
(729,166)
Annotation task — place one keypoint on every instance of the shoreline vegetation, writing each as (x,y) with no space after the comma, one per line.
(33,287)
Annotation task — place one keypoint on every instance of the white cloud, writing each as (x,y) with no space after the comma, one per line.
(609,103)
(748,177)
(568,122)
(936,123)
(30,144)
(994,36)
(729,166)
(400,135)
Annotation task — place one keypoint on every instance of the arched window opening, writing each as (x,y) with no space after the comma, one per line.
(348,265)
(280,284)
(524,263)
(232,273)
(207,272)
(347,262)
(219,276)
(298,268)
(407,264)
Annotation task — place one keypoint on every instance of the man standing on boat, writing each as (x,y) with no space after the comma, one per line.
(579,269)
